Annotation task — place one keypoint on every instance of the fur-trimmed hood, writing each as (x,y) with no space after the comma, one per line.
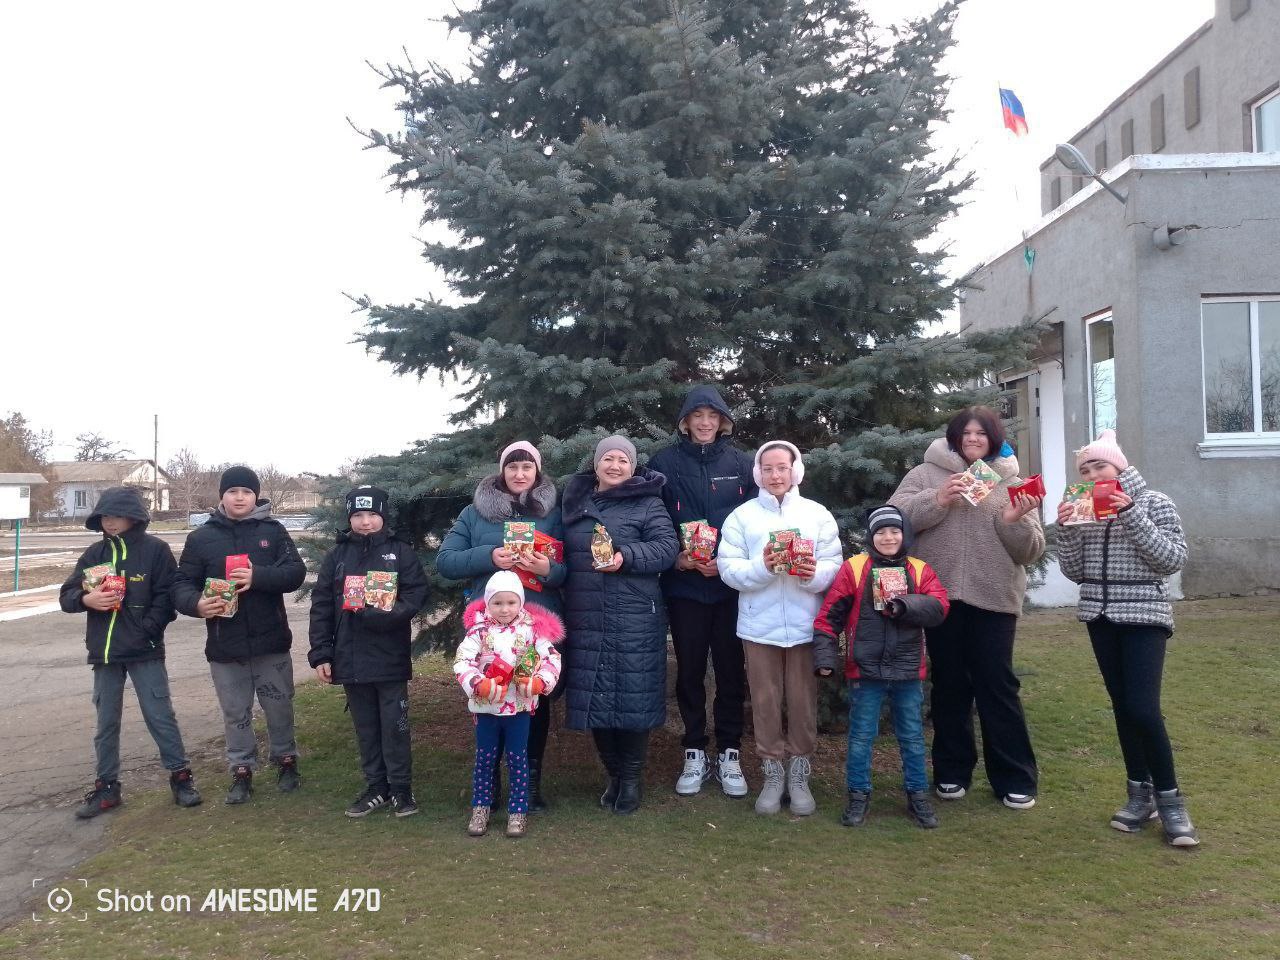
(495,504)
(941,455)
(545,623)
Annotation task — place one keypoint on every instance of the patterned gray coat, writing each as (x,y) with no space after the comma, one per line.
(1121,564)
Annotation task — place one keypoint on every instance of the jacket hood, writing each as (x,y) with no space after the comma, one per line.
(119,502)
(496,504)
(941,455)
(373,539)
(582,487)
(545,623)
(261,512)
(797,468)
(705,396)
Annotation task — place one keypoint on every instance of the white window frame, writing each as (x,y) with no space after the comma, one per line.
(1255,117)
(81,500)
(1252,443)
(1104,317)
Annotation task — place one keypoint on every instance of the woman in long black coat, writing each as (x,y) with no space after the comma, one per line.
(616,649)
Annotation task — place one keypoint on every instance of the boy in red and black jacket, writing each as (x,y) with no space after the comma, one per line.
(881,601)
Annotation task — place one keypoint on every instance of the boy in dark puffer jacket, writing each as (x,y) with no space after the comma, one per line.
(884,632)
(367,650)
(125,637)
(248,653)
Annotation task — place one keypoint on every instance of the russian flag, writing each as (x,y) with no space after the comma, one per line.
(1015,118)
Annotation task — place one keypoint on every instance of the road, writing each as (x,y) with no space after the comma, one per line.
(48,760)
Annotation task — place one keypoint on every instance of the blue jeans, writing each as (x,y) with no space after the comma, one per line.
(906,698)
(495,733)
(151,684)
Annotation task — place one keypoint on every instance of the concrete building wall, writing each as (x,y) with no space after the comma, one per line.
(1203,91)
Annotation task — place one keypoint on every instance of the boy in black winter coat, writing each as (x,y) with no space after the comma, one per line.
(367,650)
(125,637)
(248,653)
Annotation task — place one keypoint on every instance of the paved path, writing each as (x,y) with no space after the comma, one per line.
(48,721)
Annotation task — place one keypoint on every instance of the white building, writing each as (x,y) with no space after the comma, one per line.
(82,482)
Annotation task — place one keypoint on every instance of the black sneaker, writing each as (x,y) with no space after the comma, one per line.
(855,809)
(951,791)
(241,785)
(1138,811)
(104,796)
(367,802)
(402,803)
(1178,829)
(921,809)
(184,789)
(288,780)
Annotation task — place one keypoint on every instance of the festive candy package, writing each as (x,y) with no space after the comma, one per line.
(800,548)
(353,592)
(778,540)
(1079,496)
(92,576)
(115,585)
(518,537)
(887,583)
(601,548)
(700,540)
(1033,486)
(380,588)
(214,587)
(527,664)
(238,561)
(980,480)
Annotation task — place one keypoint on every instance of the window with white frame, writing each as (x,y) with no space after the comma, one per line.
(1266,123)
(1100,357)
(82,499)
(1240,343)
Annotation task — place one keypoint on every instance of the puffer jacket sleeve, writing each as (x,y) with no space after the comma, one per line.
(828,555)
(929,605)
(1070,553)
(188,583)
(323,622)
(287,570)
(1023,539)
(466,661)
(411,593)
(737,567)
(548,663)
(657,548)
(459,558)
(918,501)
(831,620)
(1155,529)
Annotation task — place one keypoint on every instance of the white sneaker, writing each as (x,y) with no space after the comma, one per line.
(695,773)
(951,791)
(1019,801)
(729,771)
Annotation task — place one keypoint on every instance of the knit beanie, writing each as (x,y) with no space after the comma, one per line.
(524,445)
(797,466)
(504,581)
(886,516)
(239,477)
(373,499)
(1105,449)
(615,442)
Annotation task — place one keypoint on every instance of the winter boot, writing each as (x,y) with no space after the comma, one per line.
(921,809)
(288,779)
(770,799)
(630,770)
(537,803)
(729,773)
(517,824)
(855,808)
(104,796)
(1140,809)
(802,803)
(607,746)
(1172,807)
(479,823)
(241,785)
(696,772)
(184,789)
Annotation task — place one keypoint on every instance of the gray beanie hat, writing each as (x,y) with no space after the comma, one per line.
(615,442)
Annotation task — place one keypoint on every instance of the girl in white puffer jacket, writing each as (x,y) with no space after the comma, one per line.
(775,618)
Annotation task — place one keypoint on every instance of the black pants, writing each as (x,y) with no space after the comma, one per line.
(1131,658)
(696,630)
(971,654)
(380,712)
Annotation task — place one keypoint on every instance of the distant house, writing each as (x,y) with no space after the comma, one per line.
(81,482)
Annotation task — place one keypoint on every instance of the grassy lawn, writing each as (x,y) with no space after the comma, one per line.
(708,878)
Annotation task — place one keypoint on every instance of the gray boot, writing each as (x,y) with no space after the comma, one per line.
(770,799)
(1140,809)
(802,803)
(1172,807)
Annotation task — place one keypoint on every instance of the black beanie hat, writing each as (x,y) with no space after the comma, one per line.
(373,499)
(239,477)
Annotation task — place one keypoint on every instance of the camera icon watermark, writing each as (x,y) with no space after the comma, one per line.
(59,900)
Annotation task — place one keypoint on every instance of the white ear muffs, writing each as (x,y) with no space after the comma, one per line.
(797,468)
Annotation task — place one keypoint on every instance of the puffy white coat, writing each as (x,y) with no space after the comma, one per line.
(777,609)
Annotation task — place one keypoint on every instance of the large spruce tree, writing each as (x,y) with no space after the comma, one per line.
(650,194)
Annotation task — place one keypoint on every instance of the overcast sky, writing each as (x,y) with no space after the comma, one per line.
(183,205)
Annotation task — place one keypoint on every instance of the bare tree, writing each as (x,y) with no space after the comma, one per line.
(187,480)
(23,449)
(277,486)
(94,446)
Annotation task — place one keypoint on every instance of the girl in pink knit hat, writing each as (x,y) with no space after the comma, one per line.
(1121,564)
